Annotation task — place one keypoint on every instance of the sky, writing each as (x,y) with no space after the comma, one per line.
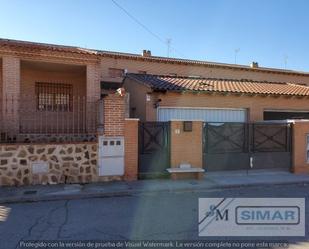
(273,33)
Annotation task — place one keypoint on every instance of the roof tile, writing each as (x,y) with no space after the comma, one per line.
(174,83)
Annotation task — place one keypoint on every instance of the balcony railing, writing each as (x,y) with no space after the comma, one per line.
(28,119)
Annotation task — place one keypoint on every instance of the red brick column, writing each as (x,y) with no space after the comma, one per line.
(186,147)
(114,115)
(299,146)
(131,149)
(93,82)
(93,91)
(11,92)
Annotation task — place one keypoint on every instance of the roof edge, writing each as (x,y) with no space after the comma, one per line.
(223,79)
(154,88)
(103,53)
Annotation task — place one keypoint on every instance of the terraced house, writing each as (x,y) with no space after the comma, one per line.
(65,116)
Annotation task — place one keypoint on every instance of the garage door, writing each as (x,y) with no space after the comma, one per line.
(244,146)
(203,114)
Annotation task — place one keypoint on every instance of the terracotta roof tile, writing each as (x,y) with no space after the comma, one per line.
(174,83)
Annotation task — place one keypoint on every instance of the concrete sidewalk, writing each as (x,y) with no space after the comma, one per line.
(212,181)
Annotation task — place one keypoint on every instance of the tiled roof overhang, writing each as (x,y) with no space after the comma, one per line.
(224,86)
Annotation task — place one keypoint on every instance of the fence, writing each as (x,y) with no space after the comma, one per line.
(35,119)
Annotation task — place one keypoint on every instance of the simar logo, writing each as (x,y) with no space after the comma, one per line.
(251,216)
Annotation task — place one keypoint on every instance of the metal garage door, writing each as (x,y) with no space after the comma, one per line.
(203,114)
(236,146)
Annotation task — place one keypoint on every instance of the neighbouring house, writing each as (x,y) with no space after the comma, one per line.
(165,98)
(65,117)
(191,125)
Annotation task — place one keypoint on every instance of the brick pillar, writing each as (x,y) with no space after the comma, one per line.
(256,114)
(131,149)
(10,92)
(187,147)
(93,82)
(114,115)
(300,132)
(93,92)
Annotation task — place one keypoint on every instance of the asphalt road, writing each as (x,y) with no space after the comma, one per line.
(164,216)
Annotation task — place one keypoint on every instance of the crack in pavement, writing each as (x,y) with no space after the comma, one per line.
(66,218)
(30,229)
(40,221)
(48,221)
(37,221)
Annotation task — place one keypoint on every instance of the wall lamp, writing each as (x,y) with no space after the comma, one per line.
(156,105)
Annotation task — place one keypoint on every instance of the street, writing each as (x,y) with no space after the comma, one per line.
(160,216)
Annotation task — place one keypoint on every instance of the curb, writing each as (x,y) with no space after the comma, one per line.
(89,195)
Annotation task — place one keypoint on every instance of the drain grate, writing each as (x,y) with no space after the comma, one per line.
(30,192)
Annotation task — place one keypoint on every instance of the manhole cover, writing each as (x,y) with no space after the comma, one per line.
(30,192)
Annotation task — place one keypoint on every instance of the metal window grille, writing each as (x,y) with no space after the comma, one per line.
(21,121)
(54,96)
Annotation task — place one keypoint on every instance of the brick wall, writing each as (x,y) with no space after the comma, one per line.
(144,64)
(299,147)
(114,115)
(29,77)
(10,88)
(153,67)
(39,54)
(186,147)
(11,75)
(137,101)
(131,149)
(1,87)
(93,82)
(256,105)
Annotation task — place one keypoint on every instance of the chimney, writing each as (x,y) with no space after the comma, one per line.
(254,64)
(146,53)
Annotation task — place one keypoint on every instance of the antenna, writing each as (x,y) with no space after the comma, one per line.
(168,43)
(285,60)
(235,54)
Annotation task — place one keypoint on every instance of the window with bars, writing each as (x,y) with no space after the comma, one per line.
(54,96)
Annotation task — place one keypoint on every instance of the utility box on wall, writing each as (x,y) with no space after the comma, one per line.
(187,126)
(111,156)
